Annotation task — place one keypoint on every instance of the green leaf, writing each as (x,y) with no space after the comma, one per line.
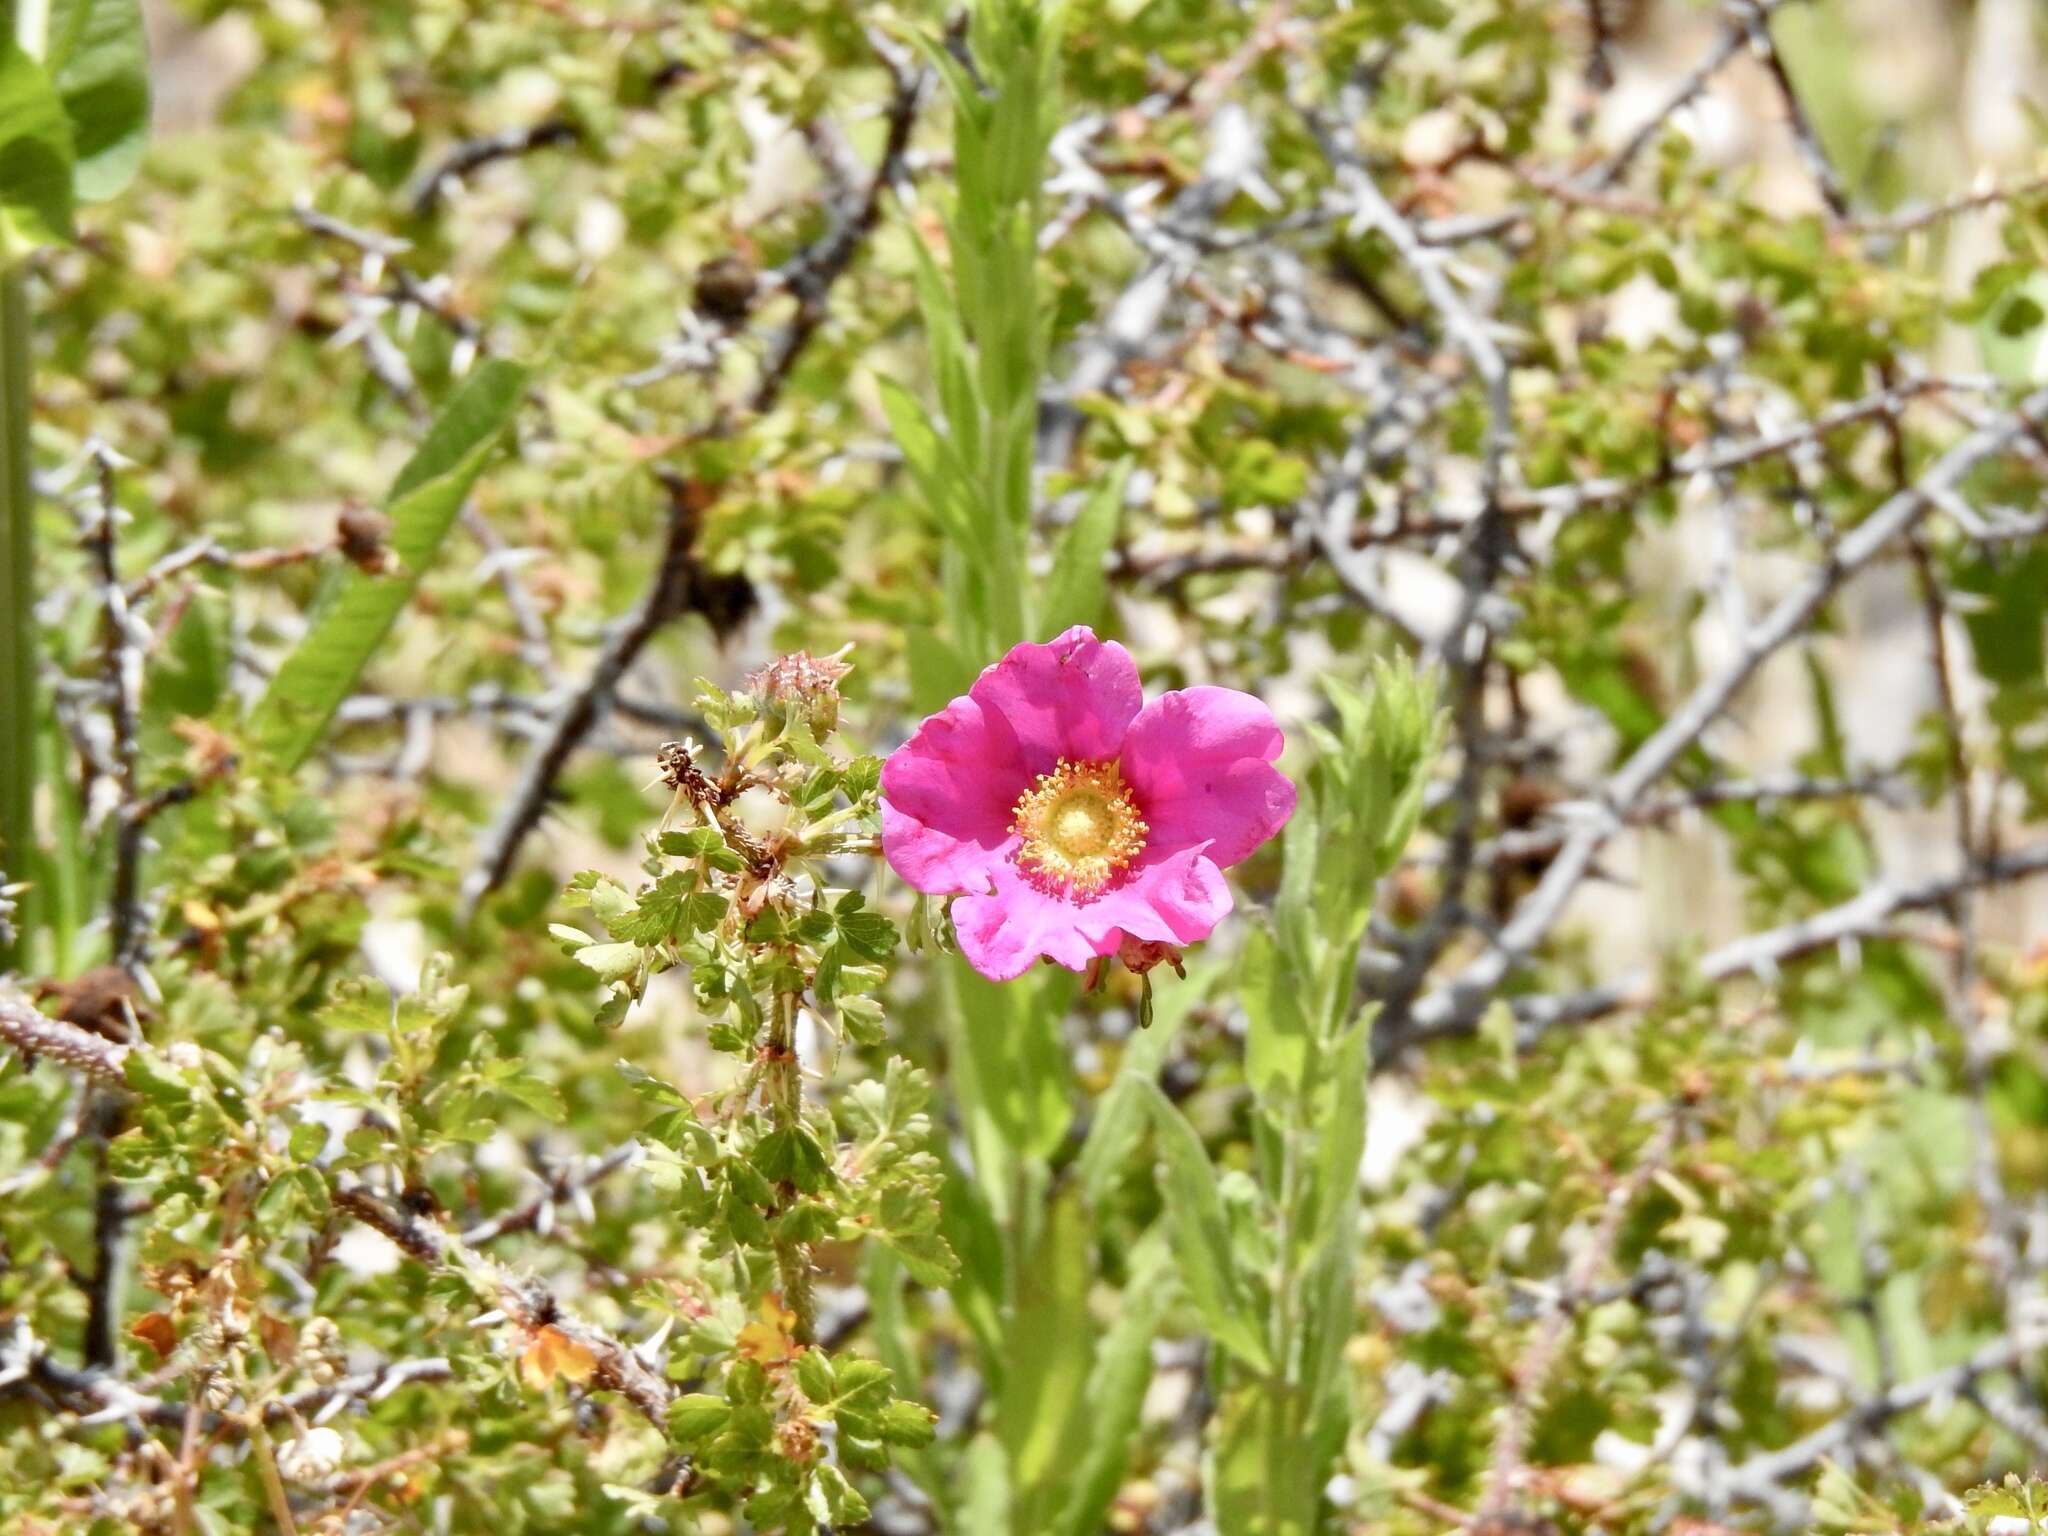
(791,1154)
(190,674)
(659,912)
(1328,1304)
(149,1076)
(985,1487)
(99,60)
(611,962)
(1038,1410)
(1116,1391)
(1020,1062)
(1340,1129)
(35,156)
(1120,1113)
(2010,336)
(696,1416)
(536,1094)
(834,1500)
(814,1375)
(294,1190)
(907,1424)
(1264,1478)
(1201,1236)
(938,672)
(2005,620)
(868,934)
(1278,1039)
(1078,584)
(857,1379)
(308,1141)
(350,626)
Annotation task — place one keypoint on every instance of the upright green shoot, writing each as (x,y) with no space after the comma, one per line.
(972,462)
(1281,1309)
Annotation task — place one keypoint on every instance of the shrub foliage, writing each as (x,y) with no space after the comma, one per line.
(462,1076)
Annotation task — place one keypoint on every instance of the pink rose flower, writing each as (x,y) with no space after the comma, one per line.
(1068,818)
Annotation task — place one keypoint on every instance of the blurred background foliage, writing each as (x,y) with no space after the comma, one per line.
(1556,348)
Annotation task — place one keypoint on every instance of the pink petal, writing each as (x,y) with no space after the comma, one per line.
(1003,933)
(947,798)
(1200,762)
(1173,898)
(1176,899)
(1072,697)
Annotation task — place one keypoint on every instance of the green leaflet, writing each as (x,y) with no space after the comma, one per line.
(1019,1085)
(1279,1038)
(36,157)
(361,608)
(985,1487)
(1328,1307)
(98,59)
(972,460)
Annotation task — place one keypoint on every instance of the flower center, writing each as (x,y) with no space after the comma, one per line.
(1079,824)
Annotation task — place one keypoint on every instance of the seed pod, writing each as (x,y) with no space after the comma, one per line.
(725,289)
(360,533)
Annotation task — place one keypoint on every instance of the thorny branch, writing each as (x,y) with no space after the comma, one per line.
(1457,1003)
(1365,514)
(524,1300)
(810,276)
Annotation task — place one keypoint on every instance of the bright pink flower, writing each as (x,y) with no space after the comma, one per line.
(1067,818)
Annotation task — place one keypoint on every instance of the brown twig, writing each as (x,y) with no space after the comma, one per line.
(35,1034)
(524,1300)
(474,154)
(1755,21)
(811,276)
(813,272)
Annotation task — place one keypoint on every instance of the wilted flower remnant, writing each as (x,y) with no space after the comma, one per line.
(1073,820)
(802,687)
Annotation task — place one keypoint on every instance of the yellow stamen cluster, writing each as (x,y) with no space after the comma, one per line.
(1080,826)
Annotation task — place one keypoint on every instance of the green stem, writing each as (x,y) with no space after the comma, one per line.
(782,1090)
(18,715)
(265,1457)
